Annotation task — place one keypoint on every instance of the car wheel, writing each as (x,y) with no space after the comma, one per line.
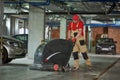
(9,60)
(114,52)
(5,58)
(97,52)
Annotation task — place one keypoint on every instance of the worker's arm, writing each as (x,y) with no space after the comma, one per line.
(68,34)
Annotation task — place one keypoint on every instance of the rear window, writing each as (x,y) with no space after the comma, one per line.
(105,40)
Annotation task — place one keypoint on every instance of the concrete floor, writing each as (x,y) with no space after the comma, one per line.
(105,67)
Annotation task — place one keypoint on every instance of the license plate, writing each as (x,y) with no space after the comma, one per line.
(106,49)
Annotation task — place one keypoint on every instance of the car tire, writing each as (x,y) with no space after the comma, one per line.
(114,52)
(9,60)
(97,52)
(5,58)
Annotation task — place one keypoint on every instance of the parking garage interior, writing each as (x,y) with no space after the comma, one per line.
(46,20)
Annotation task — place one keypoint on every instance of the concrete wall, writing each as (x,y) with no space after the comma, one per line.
(96,32)
(55,33)
(115,34)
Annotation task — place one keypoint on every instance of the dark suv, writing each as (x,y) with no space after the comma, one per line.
(106,45)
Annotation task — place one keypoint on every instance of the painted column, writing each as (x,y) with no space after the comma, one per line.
(12,25)
(63,28)
(1,27)
(88,21)
(36,29)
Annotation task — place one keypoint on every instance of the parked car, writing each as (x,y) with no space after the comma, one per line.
(106,45)
(24,38)
(12,48)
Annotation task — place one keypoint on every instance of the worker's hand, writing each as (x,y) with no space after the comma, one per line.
(73,40)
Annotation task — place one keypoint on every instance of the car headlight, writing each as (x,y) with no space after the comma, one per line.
(112,47)
(15,44)
(98,46)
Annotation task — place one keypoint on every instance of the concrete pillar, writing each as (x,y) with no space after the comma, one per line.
(1,27)
(63,28)
(8,25)
(88,21)
(36,29)
(12,25)
(26,26)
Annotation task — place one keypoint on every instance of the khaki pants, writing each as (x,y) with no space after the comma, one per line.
(80,45)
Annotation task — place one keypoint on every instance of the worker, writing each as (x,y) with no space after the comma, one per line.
(76,34)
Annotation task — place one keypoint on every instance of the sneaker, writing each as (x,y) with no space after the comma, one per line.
(75,68)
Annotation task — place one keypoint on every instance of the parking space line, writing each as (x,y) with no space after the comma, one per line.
(104,71)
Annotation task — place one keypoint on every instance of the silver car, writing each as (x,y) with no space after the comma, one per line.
(11,48)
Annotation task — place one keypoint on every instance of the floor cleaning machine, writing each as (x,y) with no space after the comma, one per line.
(53,56)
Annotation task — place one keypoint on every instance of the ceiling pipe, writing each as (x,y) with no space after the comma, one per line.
(14,2)
(40,3)
(74,12)
(87,0)
(114,12)
(32,3)
(21,13)
(66,13)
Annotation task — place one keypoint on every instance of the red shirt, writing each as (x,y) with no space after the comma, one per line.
(74,26)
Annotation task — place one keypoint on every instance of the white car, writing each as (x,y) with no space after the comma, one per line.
(11,48)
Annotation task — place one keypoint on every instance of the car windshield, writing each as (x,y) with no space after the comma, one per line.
(105,40)
(21,37)
(24,38)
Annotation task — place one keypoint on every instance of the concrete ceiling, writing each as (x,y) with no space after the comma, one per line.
(98,10)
